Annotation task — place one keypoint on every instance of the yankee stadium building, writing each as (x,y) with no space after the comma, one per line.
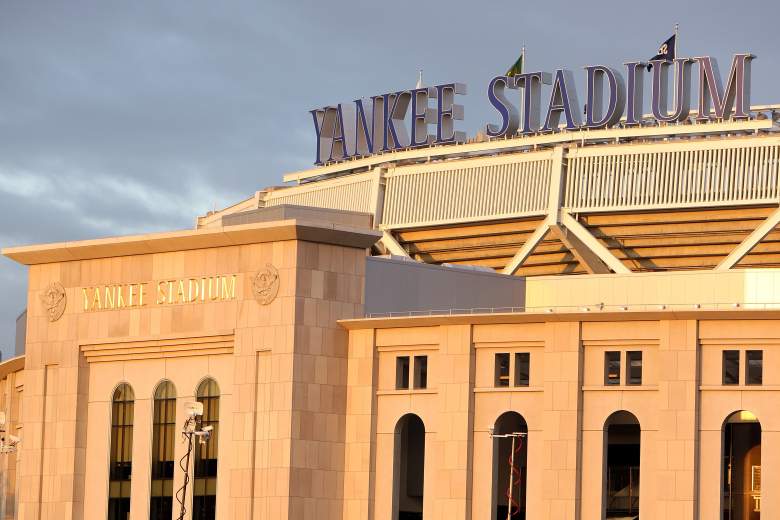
(555,319)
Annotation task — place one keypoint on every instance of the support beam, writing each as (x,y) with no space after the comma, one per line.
(590,243)
(391,244)
(587,258)
(750,242)
(527,249)
(378,195)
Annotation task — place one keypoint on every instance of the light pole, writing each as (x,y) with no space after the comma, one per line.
(192,429)
(512,470)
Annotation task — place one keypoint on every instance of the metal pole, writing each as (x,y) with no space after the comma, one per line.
(511,480)
(676,53)
(676,40)
(183,489)
(522,69)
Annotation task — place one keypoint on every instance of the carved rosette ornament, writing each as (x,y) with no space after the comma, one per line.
(265,284)
(54,300)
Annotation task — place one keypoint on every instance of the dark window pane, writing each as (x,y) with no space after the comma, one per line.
(421,371)
(205,466)
(634,368)
(204,507)
(118,508)
(522,368)
(502,370)
(120,463)
(161,500)
(161,508)
(755,367)
(402,373)
(731,367)
(612,368)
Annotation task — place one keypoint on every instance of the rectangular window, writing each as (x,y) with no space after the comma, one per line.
(502,370)
(731,367)
(612,368)
(754,367)
(421,371)
(634,368)
(522,368)
(402,373)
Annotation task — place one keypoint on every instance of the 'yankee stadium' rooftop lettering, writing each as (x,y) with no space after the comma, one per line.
(379,124)
(345,131)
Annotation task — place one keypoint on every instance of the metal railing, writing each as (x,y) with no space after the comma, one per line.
(704,174)
(592,308)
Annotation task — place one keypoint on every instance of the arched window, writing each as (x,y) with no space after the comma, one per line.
(204,501)
(163,433)
(121,465)
(741,478)
(510,465)
(623,446)
(409,468)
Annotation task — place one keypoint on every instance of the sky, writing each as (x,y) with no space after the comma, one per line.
(121,117)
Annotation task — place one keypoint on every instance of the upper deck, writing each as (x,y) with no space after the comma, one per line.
(648,198)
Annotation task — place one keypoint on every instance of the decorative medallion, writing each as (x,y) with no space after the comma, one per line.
(265,284)
(54,300)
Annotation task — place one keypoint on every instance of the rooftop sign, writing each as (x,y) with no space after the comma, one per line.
(424,116)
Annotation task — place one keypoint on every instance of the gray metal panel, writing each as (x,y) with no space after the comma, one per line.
(21,333)
(403,286)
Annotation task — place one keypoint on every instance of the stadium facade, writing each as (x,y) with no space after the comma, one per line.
(579,324)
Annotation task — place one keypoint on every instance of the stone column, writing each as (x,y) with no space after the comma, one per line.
(360,450)
(561,438)
(452,440)
(678,401)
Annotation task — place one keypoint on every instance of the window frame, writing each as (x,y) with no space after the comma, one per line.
(724,372)
(209,394)
(163,436)
(522,359)
(402,372)
(499,379)
(634,355)
(609,358)
(121,451)
(420,376)
(748,380)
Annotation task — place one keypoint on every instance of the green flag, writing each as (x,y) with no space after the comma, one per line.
(517,68)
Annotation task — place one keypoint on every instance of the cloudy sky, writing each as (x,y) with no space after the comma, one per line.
(137,116)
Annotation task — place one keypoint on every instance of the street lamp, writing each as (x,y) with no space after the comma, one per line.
(8,442)
(512,469)
(192,429)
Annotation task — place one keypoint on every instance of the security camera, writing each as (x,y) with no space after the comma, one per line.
(193,409)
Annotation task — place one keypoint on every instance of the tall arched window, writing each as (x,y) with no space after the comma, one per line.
(622,462)
(121,465)
(204,501)
(510,463)
(163,433)
(409,468)
(741,477)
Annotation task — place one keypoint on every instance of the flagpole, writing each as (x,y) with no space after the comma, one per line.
(522,63)
(522,69)
(676,53)
(676,39)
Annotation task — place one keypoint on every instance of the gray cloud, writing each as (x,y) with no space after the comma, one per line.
(121,117)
